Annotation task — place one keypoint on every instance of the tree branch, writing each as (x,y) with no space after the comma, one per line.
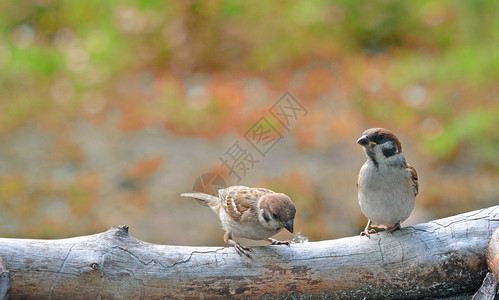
(4,281)
(441,258)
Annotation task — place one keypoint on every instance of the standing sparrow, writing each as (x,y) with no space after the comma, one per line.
(252,213)
(387,184)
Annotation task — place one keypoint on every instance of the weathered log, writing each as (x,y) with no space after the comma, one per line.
(441,258)
(488,290)
(4,280)
(493,253)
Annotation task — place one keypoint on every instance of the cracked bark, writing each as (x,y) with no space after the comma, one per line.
(4,281)
(488,290)
(441,258)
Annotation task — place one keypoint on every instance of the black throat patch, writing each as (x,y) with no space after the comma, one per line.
(265,215)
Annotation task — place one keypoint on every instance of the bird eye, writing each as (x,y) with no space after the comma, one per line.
(381,137)
(274,215)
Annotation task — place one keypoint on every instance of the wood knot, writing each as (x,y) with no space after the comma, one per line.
(121,230)
(94,266)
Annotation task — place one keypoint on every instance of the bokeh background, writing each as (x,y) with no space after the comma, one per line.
(110,109)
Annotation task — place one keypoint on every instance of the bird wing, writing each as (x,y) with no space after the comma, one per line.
(413,175)
(237,200)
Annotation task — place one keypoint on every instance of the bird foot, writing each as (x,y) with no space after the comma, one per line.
(241,250)
(367,232)
(276,242)
(392,228)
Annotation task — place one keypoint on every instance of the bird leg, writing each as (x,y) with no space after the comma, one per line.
(392,228)
(276,242)
(368,230)
(239,248)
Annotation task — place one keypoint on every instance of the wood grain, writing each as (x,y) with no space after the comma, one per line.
(437,259)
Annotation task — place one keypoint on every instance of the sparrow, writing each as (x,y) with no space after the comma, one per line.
(387,184)
(252,213)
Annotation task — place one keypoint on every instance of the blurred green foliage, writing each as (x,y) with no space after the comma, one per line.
(439,44)
(428,68)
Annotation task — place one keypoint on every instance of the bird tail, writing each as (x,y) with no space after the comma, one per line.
(202,198)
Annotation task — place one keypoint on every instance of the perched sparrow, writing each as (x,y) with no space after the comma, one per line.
(252,213)
(387,184)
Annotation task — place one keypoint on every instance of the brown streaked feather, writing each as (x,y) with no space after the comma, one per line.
(414,178)
(236,200)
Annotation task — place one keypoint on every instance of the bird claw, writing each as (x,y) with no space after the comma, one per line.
(276,242)
(367,232)
(392,228)
(243,250)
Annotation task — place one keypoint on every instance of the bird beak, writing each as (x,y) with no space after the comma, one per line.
(364,141)
(289,225)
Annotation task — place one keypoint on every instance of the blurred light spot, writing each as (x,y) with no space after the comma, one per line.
(23,35)
(197,97)
(414,95)
(372,80)
(64,38)
(195,91)
(93,101)
(434,13)
(175,33)
(130,20)
(77,59)
(62,90)
(431,126)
